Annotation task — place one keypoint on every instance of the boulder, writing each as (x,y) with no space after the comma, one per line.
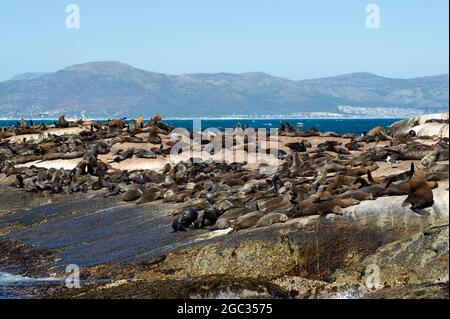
(425,126)
(420,259)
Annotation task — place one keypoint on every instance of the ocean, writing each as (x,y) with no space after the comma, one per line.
(340,126)
(18,287)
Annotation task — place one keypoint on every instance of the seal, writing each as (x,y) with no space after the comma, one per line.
(247,221)
(123,155)
(225,220)
(133,194)
(284,202)
(209,218)
(140,153)
(271,219)
(420,194)
(353,145)
(187,218)
(153,136)
(149,195)
(296,147)
(62,123)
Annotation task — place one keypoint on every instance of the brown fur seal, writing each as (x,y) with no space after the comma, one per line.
(140,122)
(149,195)
(353,145)
(420,195)
(133,194)
(224,221)
(376,134)
(153,136)
(271,219)
(247,220)
(284,202)
(119,124)
(62,123)
(323,207)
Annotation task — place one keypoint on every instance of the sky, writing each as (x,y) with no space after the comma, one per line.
(296,39)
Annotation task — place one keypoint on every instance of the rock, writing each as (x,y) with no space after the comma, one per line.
(311,247)
(385,212)
(421,127)
(421,259)
(7,180)
(422,291)
(210,287)
(301,288)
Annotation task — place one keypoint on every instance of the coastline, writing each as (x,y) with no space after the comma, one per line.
(147,260)
(220,118)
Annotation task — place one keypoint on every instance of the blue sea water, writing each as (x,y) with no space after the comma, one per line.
(341,126)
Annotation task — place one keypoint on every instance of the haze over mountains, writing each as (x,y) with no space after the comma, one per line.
(112,89)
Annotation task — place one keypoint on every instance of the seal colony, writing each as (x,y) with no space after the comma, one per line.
(319,173)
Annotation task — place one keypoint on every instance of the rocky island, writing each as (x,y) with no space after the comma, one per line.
(341,216)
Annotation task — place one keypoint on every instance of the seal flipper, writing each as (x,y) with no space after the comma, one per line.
(390,181)
(420,211)
(407,201)
(369,176)
(362,181)
(411,171)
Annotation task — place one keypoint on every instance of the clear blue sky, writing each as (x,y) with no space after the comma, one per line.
(297,39)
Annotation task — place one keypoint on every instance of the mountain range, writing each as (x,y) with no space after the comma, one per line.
(113,89)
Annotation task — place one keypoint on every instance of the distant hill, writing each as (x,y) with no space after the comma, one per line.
(112,89)
(27,76)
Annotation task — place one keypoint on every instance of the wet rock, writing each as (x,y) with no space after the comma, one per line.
(209,287)
(421,291)
(301,288)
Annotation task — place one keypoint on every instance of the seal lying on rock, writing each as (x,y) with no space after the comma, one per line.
(247,221)
(133,194)
(271,219)
(149,195)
